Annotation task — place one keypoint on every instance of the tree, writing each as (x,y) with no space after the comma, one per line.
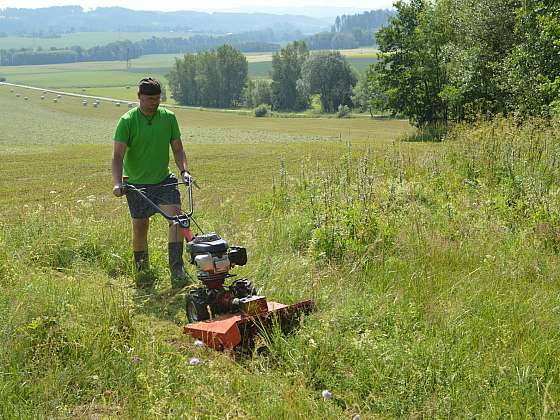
(481,39)
(329,75)
(368,93)
(182,80)
(286,71)
(533,67)
(258,92)
(412,69)
(232,69)
(214,79)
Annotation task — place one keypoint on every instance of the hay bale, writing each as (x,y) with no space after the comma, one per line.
(84,103)
(117,104)
(17,95)
(42,97)
(83,89)
(95,104)
(59,96)
(55,100)
(25,98)
(11,91)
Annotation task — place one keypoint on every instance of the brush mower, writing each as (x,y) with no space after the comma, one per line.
(224,316)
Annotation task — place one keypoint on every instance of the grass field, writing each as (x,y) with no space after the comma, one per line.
(83,39)
(434,268)
(110,78)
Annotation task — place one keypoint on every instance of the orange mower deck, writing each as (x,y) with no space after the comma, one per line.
(227,332)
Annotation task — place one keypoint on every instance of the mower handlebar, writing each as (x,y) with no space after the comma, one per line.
(182,219)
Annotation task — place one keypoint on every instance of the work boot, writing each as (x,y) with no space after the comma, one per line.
(176,265)
(144,278)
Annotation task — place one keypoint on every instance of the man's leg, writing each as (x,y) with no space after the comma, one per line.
(175,249)
(140,248)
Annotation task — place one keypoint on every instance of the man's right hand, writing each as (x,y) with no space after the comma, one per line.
(118,190)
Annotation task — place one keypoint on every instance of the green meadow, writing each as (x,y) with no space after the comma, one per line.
(434,267)
(111,78)
(83,39)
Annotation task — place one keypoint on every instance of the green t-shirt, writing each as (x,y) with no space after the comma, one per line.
(146,160)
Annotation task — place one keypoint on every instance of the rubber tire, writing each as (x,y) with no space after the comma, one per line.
(196,306)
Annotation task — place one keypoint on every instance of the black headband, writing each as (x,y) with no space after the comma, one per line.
(149,86)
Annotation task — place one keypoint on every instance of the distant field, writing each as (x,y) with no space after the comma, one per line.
(198,126)
(84,39)
(110,78)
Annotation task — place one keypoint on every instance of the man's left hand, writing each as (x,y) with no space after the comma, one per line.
(186,177)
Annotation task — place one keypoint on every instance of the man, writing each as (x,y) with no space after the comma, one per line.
(141,147)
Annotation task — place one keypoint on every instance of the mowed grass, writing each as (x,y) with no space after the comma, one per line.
(261,142)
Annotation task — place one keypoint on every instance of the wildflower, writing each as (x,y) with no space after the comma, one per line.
(326,394)
(194,361)
(198,343)
(104,199)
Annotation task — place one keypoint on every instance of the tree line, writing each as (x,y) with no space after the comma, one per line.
(451,60)
(350,31)
(371,20)
(341,40)
(219,79)
(255,41)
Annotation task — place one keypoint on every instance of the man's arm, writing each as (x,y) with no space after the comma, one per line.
(179,155)
(119,149)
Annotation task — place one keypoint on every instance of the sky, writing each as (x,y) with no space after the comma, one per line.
(207,5)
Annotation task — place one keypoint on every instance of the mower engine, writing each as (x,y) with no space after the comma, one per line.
(214,258)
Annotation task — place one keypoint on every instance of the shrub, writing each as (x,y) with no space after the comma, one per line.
(261,110)
(343,111)
(431,132)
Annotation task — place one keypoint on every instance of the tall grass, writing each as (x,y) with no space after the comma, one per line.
(442,292)
(434,270)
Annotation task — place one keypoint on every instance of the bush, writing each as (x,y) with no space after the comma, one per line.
(343,111)
(431,132)
(261,110)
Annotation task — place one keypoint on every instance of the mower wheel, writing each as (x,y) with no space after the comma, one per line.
(196,305)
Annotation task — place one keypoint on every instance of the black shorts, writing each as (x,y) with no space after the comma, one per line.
(160,194)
